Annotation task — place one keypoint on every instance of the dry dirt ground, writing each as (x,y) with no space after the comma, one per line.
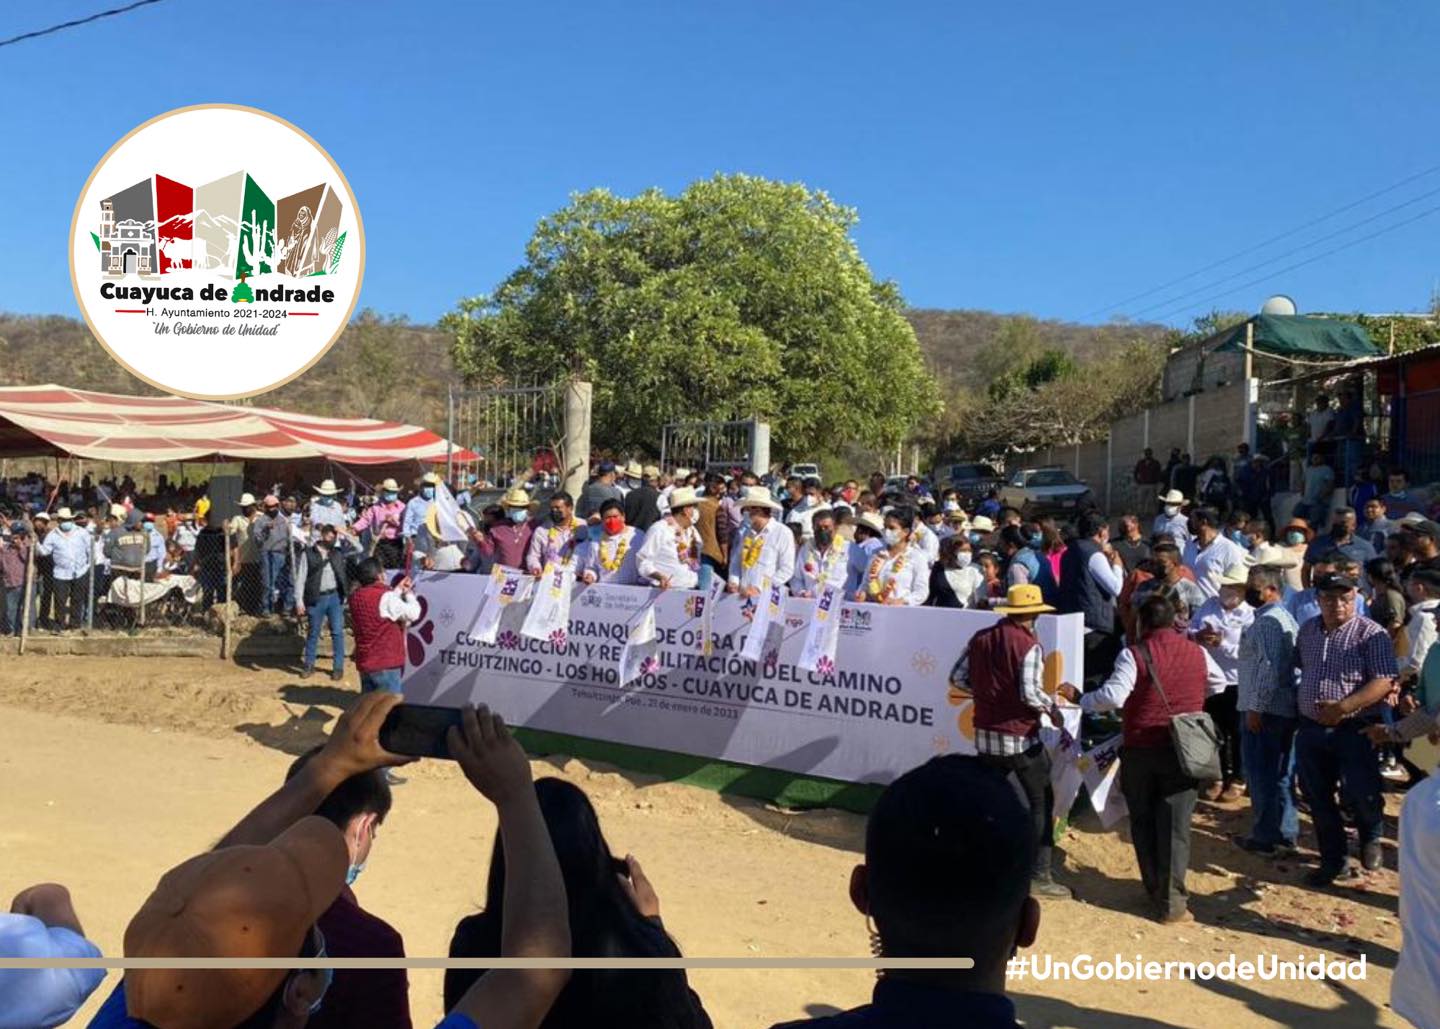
(114,769)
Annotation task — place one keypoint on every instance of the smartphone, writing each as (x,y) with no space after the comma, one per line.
(418,730)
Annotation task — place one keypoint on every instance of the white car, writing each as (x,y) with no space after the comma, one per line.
(1037,492)
(805,471)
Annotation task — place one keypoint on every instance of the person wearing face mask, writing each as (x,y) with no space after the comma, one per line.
(764,551)
(321,585)
(824,559)
(598,490)
(1209,554)
(556,540)
(925,538)
(670,555)
(1341,539)
(382,520)
(325,509)
(869,539)
(1217,626)
(1265,702)
(71,549)
(1399,501)
(954,579)
(899,575)
(508,540)
(358,807)
(416,508)
(1295,537)
(611,552)
(1170,522)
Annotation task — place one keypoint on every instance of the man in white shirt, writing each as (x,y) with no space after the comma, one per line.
(1170,522)
(823,559)
(42,924)
(612,555)
(1217,626)
(325,509)
(1424,587)
(763,552)
(71,548)
(1209,554)
(670,555)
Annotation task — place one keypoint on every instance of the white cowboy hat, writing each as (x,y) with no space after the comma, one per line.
(327,488)
(633,470)
(682,473)
(1235,575)
(650,471)
(871,521)
(980,523)
(247,500)
(1174,496)
(432,522)
(118,511)
(516,497)
(64,514)
(758,496)
(430,479)
(390,484)
(683,496)
(1271,555)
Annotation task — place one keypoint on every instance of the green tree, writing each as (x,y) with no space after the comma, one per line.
(738,297)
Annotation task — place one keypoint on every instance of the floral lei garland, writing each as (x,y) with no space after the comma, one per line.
(874,587)
(750,549)
(613,564)
(687,547)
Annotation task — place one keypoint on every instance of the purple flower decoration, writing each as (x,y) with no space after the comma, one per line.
(825,667)
(559,638)
(771,660)
(420,635)
(508,640)
(650,665)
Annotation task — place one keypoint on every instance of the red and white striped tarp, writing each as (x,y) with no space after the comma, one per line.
(36,420)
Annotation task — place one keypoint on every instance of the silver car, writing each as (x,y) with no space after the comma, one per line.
(1041,492)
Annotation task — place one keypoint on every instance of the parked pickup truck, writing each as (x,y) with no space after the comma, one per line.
(973,481)
(1038,492)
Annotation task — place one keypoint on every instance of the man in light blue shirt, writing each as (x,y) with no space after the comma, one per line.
(868,532)
(419,506)
(71,550)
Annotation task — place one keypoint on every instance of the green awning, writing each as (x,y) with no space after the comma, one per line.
(1294,335)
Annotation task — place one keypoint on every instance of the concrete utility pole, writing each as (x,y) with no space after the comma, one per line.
(578,408)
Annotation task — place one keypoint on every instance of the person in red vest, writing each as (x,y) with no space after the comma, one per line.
(1003,668)
(378,615)
(1160,797)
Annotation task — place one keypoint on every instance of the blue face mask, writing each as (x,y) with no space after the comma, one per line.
(390,495)
(353,872)
(428,492)
(976,537)
(1294,538)
(66,526)
(516,515)
(1036,540)
(327,501)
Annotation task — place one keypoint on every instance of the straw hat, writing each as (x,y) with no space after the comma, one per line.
(758,496)
(633,470)
(247,500)
(432,522)
(1270,555)
(1299,525)
(980,523)
(1235,575)
(390,484)
(873,522)
(430,479)
(682,473)
(683,496)
(1025,599)
(327,488)
(64,514)
(958,515)
(118,511)
(650,471)
(1174,496)
(515,497)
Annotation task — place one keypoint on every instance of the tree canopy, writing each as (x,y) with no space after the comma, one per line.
(738,297)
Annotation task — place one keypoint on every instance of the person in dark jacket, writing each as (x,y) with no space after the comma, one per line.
(614,913)
(1159,796)
(320,591)
(642,505)
(1091,578)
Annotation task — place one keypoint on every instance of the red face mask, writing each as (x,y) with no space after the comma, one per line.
(613,525)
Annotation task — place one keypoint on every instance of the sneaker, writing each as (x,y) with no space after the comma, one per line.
(1044,886)
(1371,856)
(1253,846)
(1287,849)
(337,676)
(305,673)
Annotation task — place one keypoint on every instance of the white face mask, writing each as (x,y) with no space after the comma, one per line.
(1172,509)
(963,558)
(892,537)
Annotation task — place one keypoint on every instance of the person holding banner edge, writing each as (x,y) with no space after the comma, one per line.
(1003,668)
(764,550)
(670,555)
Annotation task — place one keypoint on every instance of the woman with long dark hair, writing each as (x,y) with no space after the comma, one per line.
(614,913)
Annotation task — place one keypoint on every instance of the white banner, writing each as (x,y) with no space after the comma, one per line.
(549,615)
(886,706)
(502,591)
(1100,770)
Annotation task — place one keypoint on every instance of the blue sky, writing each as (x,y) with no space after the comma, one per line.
(1047,158)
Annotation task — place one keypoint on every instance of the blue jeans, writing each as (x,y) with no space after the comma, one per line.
(387,679)
(1339,756)
(1269,760)
(275,579)
(14,602)
(327,608)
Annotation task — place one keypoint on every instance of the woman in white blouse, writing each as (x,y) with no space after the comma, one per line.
(899,574)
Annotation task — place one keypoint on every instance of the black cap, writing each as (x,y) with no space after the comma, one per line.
(1422,528)
(1332,582)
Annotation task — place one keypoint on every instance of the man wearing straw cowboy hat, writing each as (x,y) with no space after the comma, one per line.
(763,552)
(417,507)
(507,543)
(1170,522)
(323,508)
(383,519)
(1003,668)
(71,549)
(670,555)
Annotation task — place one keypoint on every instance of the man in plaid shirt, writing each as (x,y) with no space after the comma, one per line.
(1347,672)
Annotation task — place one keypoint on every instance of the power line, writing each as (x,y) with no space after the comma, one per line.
(1301,264)
(1287,253)
(1265,243)
(78,21)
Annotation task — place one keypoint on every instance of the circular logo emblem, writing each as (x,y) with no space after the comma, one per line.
(216,251)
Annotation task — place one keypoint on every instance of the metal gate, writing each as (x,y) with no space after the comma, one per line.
(700,446)
(516,432)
